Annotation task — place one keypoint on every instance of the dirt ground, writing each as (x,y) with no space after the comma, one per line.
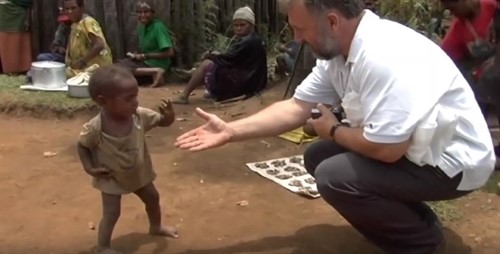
(47,205)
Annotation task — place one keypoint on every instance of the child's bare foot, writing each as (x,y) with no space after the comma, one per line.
(164,231)
(102,250)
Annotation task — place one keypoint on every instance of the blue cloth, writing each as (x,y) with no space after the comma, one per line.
(289,61)
(294,46)
(291,57)
(55,57)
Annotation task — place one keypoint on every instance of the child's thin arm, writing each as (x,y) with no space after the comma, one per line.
(166,121)
(167,114)
(86,158)
(88,165)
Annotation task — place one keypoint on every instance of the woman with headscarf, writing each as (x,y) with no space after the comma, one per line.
(87,45)
(15,37)
(155,46)
(242,70)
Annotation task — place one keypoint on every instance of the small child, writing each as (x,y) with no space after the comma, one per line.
(112,149)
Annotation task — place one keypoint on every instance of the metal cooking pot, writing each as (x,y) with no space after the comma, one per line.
(48,74)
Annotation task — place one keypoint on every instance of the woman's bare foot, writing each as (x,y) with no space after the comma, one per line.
(164,231)
(102,250)
(158,78)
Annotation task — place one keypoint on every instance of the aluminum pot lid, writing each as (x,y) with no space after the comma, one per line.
(47,64)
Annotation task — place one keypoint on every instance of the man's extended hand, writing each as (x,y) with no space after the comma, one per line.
(215,132)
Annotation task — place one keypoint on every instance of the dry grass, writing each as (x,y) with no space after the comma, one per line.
(13,100)
(447,211)
(493,185)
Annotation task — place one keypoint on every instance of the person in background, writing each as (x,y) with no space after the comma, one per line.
(286,60)
(58,47)
(489,78)
(242,70)
(15,36)
(113,150)
(467,40)
(87,44)
(155,46)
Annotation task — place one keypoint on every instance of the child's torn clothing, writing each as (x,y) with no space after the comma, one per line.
(126,157)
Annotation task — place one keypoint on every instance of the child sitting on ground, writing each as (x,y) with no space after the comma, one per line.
(113,150)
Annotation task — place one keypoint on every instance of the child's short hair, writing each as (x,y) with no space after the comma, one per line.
(104,80)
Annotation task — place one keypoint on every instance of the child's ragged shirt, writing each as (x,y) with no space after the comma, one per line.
(127,157)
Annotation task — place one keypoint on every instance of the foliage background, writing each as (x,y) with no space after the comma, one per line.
(200,25)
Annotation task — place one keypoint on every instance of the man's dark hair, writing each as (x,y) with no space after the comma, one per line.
(348,8)
(105,79)
(78,2)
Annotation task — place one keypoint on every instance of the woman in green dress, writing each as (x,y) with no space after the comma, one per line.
(156,48)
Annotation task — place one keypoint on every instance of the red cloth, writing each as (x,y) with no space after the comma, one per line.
(458,36)
(63,18)
(15,52)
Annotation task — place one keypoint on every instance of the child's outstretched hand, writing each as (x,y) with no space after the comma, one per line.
(168,113)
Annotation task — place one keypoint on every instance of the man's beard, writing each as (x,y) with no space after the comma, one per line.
(328,47)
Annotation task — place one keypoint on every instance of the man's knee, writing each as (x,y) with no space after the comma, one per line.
(336,177)
(318,152)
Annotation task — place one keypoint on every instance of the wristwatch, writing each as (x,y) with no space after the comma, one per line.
(334,129)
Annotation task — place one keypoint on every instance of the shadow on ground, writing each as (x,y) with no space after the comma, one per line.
(131,243)
(320,239)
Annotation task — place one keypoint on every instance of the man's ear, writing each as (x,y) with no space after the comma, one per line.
(333,20)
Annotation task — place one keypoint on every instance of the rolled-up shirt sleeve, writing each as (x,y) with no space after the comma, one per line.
(318,86)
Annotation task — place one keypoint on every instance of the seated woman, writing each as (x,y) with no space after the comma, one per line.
(467,40)
(155,45)
(242,70)
(87,44)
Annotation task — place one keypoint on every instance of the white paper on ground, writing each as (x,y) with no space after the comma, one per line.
(307,189)
(45,89)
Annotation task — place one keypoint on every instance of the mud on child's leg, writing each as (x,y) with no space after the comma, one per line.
(149,195)
(111,207)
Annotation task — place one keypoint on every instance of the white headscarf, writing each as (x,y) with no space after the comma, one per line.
(144,5)
(245,13)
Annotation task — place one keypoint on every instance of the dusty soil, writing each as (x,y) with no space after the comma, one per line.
(47,204)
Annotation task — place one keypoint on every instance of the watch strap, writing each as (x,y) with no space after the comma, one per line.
(334,129)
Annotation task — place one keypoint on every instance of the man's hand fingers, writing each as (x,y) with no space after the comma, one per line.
(324,110)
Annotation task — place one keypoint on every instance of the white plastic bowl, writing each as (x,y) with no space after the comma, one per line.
(78,91)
